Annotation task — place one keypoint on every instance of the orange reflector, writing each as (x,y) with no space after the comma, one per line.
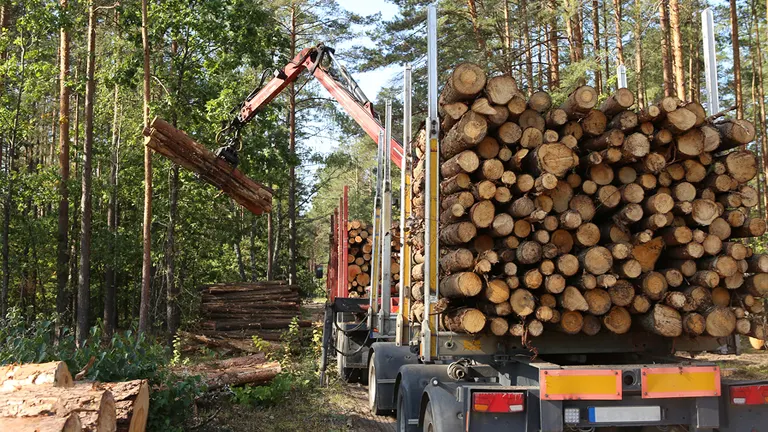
(581,384)
(692,381)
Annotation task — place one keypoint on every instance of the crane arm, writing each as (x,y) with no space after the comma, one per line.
(335,78)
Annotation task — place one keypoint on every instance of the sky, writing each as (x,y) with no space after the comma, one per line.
(370,82)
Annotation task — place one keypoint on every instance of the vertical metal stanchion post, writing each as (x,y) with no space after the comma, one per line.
(386,227)
(621,75)
(402,334)
(431,190)
(375,280)
(710,61)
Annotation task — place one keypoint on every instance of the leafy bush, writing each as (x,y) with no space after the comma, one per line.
(277,390)
(125,356)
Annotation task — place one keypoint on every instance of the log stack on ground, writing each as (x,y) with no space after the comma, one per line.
(43,397)
(589,218)
(246,309)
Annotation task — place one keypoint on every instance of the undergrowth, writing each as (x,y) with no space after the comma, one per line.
(125,356)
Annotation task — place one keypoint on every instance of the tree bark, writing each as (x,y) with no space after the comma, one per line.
(677,47)
(146,262)
(617,23)
(666,57)
(110,278)
(552,43)
(736,60)
(292,252)
(640,83)
(84,276)
(62,249)
(596,43)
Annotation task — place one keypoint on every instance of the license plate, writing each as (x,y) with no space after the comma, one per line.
(624,414)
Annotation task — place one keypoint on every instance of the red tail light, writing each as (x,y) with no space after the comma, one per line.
(498,402)
(749,395)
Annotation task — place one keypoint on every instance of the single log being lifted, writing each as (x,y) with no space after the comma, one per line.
(183,150)
(14,377)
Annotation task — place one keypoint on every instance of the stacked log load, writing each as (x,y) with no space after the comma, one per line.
(245,309)
(588,218)
(360,252)
(44,397)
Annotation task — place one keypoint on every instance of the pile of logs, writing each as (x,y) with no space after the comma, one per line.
(245,309)
(44,397)
(359,259)
(177,146)
(585,218)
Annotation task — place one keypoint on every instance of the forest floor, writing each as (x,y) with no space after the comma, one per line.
(338,407)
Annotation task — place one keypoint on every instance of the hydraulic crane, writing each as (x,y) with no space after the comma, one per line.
(320,62)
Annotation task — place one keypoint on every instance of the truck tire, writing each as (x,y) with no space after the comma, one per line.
(429,419)
(373,393)
(402,418)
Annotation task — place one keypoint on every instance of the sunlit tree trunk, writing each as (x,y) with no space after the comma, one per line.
(666,57)
(172,288)
(617,23)
(554,55)
(146,263)
(110,286)
(481,44)
(639,55)
(596,43)
(677,47)
(62,245)
(736,60)
(528,50)
(763,143)
(293,256)
(507,39)
(84,277)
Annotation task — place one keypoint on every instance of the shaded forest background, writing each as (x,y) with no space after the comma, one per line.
(72,172)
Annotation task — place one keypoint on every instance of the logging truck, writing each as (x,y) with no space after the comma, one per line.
(495,324)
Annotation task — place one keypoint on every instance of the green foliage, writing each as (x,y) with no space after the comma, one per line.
(125,356)
(277,390)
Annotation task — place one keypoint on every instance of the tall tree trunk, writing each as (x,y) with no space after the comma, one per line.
(252,247)
(110,288)
(146,263)
(666,57)
(578,32)
(507,39)
(84,278)
(240,262)
(270,247)
(639,55)
(677,47)
(62,249)
(736,60)
(10,156)
(172,312)
(528,50)
(763,143)
(596,43)
(71,295)
(293,256)
(554,55)
(606,58)
(617,23)
(172,305)
(570,31)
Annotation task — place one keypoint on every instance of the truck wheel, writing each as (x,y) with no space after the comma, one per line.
(402,417)
(429,422)
(373,393)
